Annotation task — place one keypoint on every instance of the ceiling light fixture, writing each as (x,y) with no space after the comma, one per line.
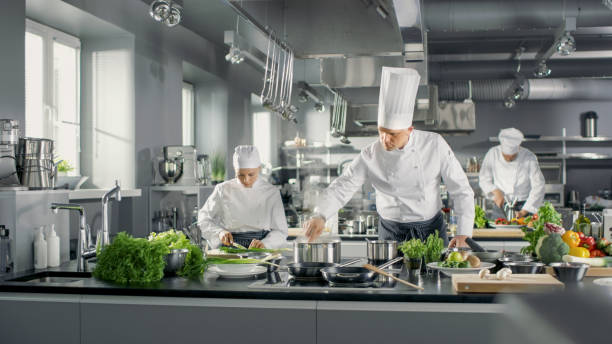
(168,12)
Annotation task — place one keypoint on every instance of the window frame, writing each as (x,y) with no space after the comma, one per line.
(191,115)
(49,37)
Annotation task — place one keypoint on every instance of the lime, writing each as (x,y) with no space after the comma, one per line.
(455,257)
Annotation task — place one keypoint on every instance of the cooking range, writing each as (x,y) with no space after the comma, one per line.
(284,281)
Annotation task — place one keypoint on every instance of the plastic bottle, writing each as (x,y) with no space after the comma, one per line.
(53,249)
(40,250)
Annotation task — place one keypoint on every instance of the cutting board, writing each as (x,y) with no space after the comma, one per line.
(593,271)
(517,283)
(497,233)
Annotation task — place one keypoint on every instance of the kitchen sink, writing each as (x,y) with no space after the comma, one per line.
(54,277)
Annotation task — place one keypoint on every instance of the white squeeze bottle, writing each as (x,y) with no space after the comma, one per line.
(40,250)
(53,246)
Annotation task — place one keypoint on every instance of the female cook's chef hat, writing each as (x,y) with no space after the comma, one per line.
(398,88)
(510,140)
(246,156)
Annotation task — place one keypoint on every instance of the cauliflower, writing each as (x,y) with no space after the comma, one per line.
(552,249)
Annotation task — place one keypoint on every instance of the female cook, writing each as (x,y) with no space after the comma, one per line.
(245,210)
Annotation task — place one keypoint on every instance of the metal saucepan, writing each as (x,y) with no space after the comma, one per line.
(353,275)
(380,251)
(325,251)
(310,270)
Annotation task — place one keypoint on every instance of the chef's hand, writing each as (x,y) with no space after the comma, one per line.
(256,244)
(458,241)
(498,197)
(314,228)
(521,213)
(226,238)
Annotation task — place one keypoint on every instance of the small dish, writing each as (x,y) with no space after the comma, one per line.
(452,271)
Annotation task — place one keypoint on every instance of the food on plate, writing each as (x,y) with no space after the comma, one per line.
(602,243)
(579,252)
(596,253)
(456,259)
(501,221)
(571,238)
(551,248)
(474,261)
(455,256)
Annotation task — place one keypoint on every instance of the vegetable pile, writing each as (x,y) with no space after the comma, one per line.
(480,218)
(551,248)
(546,214)
(129,260)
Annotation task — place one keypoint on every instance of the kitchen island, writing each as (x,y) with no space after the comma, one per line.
(71,307)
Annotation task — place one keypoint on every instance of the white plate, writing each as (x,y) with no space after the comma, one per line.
(606,282)
(492,224)
(450,271)
(237,270)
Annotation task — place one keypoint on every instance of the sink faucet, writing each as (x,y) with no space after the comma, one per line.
(84,249)
(104,238)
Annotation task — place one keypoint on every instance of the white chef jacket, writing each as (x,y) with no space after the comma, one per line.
(235,208)
(520,179)
(407,181)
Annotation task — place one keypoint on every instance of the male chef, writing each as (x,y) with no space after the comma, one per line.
(405,167)
(511,173)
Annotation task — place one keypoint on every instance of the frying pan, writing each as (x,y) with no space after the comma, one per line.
(353,275)
(312,270)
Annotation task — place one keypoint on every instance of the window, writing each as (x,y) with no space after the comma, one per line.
(52,81)
(188,115)
(263,131)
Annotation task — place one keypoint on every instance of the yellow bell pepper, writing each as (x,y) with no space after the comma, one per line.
(571,238)
(579,252)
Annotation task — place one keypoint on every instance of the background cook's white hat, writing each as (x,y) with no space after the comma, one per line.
(398,89)
(510,140)
(246,156)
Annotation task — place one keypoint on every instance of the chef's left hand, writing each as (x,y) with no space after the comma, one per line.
(458,241)
(256,244)
(521,213)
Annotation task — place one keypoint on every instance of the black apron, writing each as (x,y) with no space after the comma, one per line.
(391,230)
(498,212)
(245,238)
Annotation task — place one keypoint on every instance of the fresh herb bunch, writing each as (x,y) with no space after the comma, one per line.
(131,260)
(64,166)
(434,245)
(217,165)
(480,218)
(413,248)
(546,214)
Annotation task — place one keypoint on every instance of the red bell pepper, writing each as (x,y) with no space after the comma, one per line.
(597,253)
(588,243)
(581,236)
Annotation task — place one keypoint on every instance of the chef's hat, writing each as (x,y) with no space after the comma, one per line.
(398,88)
(510,140)
(246,156)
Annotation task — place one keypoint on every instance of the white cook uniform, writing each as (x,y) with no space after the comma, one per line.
(407,182)
(235,208)
(520,179)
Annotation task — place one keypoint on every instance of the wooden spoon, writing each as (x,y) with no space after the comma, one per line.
(384,273)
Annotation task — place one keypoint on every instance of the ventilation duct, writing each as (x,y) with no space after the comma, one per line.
(534,89)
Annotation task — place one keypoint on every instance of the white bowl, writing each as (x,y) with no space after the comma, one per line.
(451,271)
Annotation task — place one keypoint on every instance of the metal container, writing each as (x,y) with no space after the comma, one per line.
(9,132)
(171,170)
(35,165)
(489,256)
(359,227)
(175,261)
(589,128)
(318,252)
(570,272)
(381,250)
(525,267)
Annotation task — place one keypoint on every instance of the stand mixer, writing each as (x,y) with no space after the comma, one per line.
(178,165)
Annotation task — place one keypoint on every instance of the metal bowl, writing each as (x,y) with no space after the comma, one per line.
(570,272)
(170,170)
(525,267)
(175,261)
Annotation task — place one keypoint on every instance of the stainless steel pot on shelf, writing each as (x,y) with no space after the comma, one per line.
(323,251)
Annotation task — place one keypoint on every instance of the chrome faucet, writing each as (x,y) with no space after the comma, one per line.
(105,238)
(84,247)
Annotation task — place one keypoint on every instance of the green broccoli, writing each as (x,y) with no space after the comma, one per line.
(553,249)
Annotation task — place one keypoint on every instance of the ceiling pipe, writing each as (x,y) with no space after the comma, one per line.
(533,89)
(475,15)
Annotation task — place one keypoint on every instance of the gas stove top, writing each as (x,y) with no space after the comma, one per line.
(276,281)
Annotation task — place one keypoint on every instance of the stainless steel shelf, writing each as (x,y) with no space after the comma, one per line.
(586,156)
(561,139)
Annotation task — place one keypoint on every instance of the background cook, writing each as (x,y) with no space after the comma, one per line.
(246,210)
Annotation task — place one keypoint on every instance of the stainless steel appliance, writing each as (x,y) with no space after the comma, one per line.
(555,194)
(179,165)
(9,138)
(323,251)
(607,224)
(552,171)
(35,165)
(589,124)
